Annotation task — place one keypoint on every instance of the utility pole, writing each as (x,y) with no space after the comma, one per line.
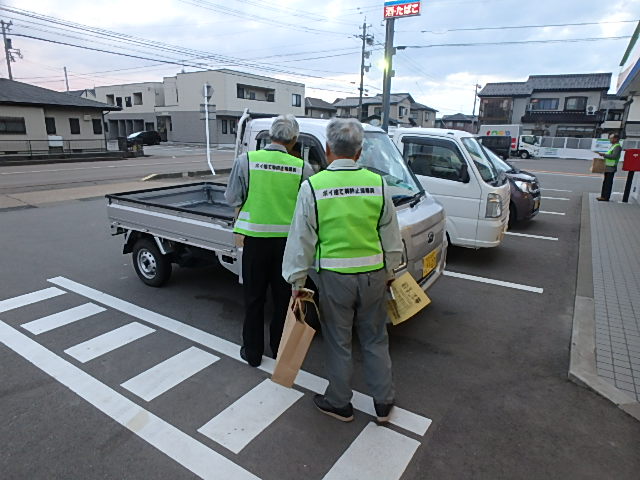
(389,51)
(207,96)
(366,40)
(7,46)
(66,78)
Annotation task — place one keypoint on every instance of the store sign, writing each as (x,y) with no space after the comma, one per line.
(401,8)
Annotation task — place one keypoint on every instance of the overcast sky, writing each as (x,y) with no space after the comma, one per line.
(316,40)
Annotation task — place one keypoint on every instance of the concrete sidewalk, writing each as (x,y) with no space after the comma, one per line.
(605,350)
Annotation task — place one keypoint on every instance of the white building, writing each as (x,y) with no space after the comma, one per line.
(175,106)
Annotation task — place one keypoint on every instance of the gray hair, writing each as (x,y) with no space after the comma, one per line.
(284,128)
(344,136)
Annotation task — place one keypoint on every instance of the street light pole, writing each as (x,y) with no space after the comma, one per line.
(388,73)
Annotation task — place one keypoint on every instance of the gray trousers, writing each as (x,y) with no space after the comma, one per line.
(348,301)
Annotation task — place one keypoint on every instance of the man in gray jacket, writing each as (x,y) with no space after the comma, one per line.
(345,225)
(611,158)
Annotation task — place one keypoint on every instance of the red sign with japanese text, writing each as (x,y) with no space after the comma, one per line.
(401,8)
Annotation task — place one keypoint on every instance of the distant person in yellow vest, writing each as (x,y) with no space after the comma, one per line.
(345,225)
(611,159)
(265,184)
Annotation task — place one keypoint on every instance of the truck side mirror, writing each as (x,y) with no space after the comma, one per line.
(464,173)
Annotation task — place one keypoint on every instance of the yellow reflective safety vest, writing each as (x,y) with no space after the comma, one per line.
(349,205)
(274,181)
(612,162)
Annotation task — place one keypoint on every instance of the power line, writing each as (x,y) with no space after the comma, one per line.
(515,42)
(514,27)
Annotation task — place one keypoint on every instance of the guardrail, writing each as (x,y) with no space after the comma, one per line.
(31,148)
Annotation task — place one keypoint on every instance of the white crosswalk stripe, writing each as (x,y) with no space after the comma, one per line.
(169,373)
(105,343)
(29,298)
(241,422)
(378,453)
(61,319)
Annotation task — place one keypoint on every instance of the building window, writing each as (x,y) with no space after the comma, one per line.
(296,100)
(377,111)
(544,103)
(233,125)
(119,101)
(110,100)
(614,116)
(224,126)
(575,132)
(137,98)
(271,97)
(575,104)
(74,125)
(97,126)
(252,95)
(127,101)
(10,125)
(240,92)
(50,124)
(402,111)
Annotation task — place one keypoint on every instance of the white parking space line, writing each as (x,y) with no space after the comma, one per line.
(107,342)
(491,281)
(377,452)
(400,417)
(169,373)
(61,319)
(556,190)
(237,425)
(29,298)
(528,235)
(557,198)
(179,446)
(551,213)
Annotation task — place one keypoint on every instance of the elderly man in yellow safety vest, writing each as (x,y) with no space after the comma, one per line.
(346,226)
(265,184)
(611,159)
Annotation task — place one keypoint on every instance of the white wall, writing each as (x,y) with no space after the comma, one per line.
(152,95)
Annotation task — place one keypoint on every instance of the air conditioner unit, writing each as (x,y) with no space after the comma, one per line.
(591,109)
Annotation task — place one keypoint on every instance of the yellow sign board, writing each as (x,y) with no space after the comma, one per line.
(407,299)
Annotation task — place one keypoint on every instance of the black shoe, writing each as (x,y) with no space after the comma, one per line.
(383,411)
(251,361)
(344,414)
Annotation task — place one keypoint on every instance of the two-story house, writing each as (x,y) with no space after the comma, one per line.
(175,106)
(318,108)
(459,121)
(404,111)
(550,105)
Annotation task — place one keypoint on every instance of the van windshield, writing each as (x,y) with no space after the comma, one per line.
(486,169)
(381,156)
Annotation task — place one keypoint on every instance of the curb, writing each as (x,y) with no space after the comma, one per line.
(53,161)
(582,366)
(193,173)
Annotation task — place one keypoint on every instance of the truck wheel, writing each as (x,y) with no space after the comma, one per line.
(152,267)
(513,215)
(524,154)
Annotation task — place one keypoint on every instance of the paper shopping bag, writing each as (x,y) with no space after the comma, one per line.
(408,298)
(597,165)
(294,344)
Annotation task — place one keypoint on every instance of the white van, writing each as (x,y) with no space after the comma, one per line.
(452,166)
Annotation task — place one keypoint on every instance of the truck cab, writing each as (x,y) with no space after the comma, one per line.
(453,167)
(421,218)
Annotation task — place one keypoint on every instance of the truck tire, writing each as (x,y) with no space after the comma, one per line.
(524,154)
(152,267)
(513,215)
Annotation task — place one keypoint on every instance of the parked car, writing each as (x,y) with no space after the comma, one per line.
(501,146)
(525,189)
(147,137)
(451,165)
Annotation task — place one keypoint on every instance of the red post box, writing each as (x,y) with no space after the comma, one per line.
(631,160)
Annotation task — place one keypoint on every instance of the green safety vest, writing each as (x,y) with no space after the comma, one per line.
(349,205)
(612,162)
(274,181)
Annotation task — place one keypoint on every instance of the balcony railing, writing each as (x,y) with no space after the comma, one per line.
(32,148)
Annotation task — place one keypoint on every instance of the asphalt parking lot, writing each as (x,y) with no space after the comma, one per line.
(481,374)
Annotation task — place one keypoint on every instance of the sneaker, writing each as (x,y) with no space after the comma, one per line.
(344,414)
(383,411)
(251,361)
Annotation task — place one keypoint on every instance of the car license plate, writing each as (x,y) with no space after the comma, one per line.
(429,263)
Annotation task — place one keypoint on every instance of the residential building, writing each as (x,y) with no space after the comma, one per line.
(38,120)
(611,112)
(459,121)
(550,105)
(404,110)
(317,108)
(175,106)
